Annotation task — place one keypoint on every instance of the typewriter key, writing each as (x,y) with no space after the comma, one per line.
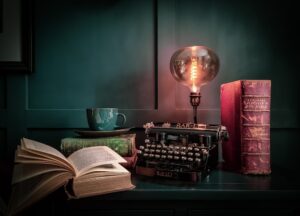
(163,157)
(197,154)
(146,150)
(145,155)
(153,146)
(139,152)
(176,152)
(152,150)
(190,154)
(151,155)
(170,157)
(190,159)
(157,151)
(142,147)
(183,153)
(176,158)
(157,156)
(147,140)
(196,149)
(163,151)
(170,152)
(183,158)
(190,148)
(198,160)
(204,151)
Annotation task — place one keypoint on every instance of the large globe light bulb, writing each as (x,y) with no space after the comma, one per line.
(194,67)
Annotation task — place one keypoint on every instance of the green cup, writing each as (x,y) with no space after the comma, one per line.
(104,119)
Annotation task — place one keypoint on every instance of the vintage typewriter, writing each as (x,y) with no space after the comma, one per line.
(180,151)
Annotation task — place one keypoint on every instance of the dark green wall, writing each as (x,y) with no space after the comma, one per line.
(116,53)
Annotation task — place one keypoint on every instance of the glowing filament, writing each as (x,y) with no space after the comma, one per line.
(194,74)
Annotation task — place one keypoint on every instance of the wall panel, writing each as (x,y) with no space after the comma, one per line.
(250,46)
(93,54)
(285,148)
(50,137)
(2,143)
(2,92)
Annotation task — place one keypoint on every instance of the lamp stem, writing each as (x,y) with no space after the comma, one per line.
(195,101)
(195,114)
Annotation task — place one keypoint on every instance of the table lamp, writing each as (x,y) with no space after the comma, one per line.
(194,67)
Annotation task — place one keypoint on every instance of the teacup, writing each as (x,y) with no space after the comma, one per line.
(104,119)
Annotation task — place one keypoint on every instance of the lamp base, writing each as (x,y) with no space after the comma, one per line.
(195,99)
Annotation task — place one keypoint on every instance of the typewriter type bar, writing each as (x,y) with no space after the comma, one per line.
(179,151)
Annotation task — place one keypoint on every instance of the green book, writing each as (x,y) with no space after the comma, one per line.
(124,145)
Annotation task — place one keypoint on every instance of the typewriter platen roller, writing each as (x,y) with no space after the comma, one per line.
(180,151)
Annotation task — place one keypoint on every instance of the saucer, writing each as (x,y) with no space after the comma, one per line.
(93,133)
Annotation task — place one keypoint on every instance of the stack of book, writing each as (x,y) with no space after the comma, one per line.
(123,144)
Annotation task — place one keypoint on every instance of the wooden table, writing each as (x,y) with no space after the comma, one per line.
(221,193)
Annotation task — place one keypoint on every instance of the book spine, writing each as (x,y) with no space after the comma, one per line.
(131,161)
(254,123)
(124,146)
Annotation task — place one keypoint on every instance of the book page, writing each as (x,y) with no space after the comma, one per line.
(26,157)
(101,185)
(40,147)
(115,167)
(31,190)
(86,158)
(23,171)
(103,170)
(34,150)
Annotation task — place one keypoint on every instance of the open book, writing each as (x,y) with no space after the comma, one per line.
(41,169)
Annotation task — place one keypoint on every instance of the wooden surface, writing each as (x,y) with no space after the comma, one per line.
(222,193)
(219,185)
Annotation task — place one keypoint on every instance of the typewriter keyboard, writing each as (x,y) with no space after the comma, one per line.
(192,155)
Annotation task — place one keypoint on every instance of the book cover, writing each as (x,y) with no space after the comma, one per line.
(245,111)
(124,144)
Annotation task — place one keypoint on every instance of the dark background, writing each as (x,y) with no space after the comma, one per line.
(116,54)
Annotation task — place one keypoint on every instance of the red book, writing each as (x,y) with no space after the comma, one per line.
(245,111)
(131,161)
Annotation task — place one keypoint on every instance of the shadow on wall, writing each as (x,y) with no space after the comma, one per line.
(135,90)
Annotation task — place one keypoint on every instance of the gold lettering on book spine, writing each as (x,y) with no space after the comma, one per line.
(256,103)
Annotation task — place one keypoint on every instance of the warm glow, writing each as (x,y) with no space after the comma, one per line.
(194,74)
(194,66)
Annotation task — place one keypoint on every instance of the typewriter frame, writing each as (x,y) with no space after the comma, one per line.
(206,139)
